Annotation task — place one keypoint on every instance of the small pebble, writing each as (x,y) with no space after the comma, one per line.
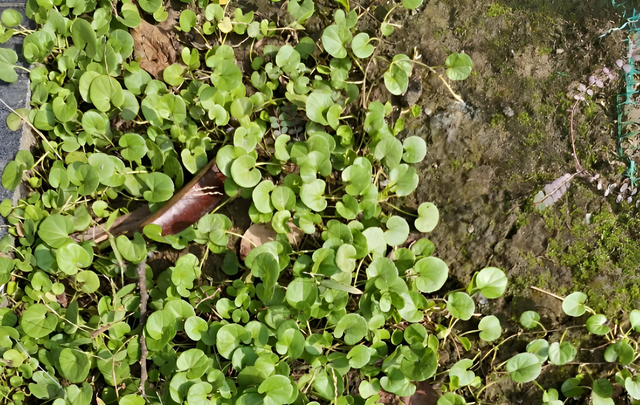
(508,111)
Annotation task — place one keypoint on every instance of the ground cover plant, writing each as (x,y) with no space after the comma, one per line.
(345,305)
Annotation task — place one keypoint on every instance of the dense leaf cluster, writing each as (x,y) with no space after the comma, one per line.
(289,324)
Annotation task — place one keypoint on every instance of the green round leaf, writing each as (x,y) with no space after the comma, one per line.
(161,187)
(348,208)
(72,257)
(459,374)
(529,319)
(633,386)
(173,74)
(602,390)
(277,390)
(134,147)
(561,353)
(490,281)
(55,230)
(301,291)
(397,383)
(287,58)
(359,356)
(88,281)
(459,66)
(11,17)
(361,46)
(228,339)
(131,399)
(244,172)
(12,175)
(96,123)
(353,326)
(133,251)
(334,40)
(346,257)
(283,198)
(74,365)
(65,108)
(524,367)
(540,348)
(634,319)
(460,305)
(37,322)
(226,75)
(403,180)
(194,361)
(490,328)
(449,398)
(105,91)
(187,20)
(311,195)
(597,324)
(432,274)
(397,231)
(415,149)
(241,107)
(410,5)
(621,349)
(8,59)
(86,178)
(150,6)
(573,304)
(261,198)
(389,152)
(317,106)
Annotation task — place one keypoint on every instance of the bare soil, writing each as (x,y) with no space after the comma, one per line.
(488,157)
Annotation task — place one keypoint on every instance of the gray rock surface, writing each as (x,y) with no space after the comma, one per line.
(15,95)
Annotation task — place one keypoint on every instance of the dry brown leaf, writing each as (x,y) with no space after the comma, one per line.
(259,234)
(192,202)
(387,398)
(62,300)
(424,395)
(196,199)
(154,48)
(172,18)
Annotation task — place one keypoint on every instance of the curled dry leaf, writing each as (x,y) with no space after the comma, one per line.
(196,199)
(62,300)
(192,202)
(154,47)
(387,398)
(259,234)
(424,395)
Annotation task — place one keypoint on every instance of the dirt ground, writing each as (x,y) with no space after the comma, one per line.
(487,158)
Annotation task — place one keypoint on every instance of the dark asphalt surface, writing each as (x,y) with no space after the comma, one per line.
(16,95)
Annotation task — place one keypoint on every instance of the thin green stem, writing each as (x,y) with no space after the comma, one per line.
(398,209)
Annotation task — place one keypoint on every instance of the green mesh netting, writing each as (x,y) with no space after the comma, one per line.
(628,103)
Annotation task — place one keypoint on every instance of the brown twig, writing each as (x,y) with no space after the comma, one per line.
(573,142)
(142,285)
(546,292)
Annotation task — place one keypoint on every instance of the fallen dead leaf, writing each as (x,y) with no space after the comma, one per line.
(154,47)
(62,300)
(424,395)
(259,234)
(196,199)
(387,398)
(172,18)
